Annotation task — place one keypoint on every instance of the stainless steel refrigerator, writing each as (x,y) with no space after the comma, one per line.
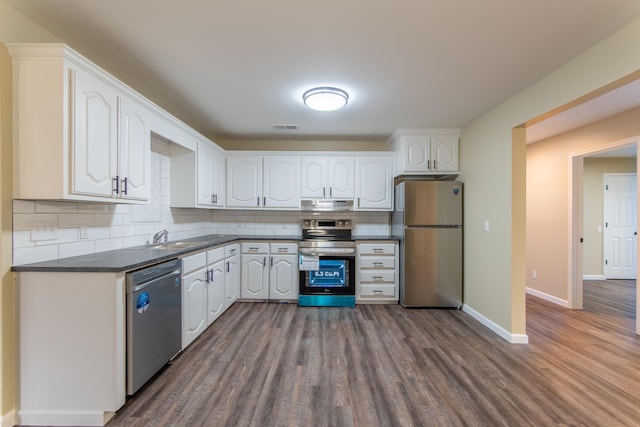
(428,221)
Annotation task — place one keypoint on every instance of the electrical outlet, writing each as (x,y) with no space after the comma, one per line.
(43,231)
(535,274)
(84,232)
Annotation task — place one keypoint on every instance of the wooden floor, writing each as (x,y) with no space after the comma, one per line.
(282,365)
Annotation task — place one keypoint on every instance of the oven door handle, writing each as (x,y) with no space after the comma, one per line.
(319,252)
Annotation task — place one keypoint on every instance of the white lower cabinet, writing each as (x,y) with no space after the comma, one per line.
(269,271)
(210,285)
(231,274)
(377,275)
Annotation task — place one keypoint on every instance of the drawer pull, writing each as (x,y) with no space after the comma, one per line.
(283,249)
(377,277)
(378,264)
(377,291)
(253,249)
(378,250)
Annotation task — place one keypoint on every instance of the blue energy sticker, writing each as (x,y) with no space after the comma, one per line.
(142,303)
(456,190)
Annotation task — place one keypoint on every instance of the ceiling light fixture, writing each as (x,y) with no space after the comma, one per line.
(325,98)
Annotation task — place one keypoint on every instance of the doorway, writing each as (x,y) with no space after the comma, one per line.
(620,219)
(576,216)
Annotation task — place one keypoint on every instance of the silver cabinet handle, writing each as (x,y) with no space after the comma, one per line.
(258,201)
(377,264)
(324,192)
(264,201)
(252,249)
(116,181)
(228,266)
(434,165)
(377,291)
(264,262)
(206,276)
(377,277)
(378,250)
(125,186)
(271,262)
(330,191)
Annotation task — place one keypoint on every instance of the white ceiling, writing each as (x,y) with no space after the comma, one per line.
(233,68)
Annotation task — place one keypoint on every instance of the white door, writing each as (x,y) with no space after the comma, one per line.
(254,277)
(94,147)
(313,177)
(231,281)
(374,183)
(204,174)
(417,153)
(134,152)
(194,303)
(281,182)
(444,153)
(341,178)
(283,277)
(244,182)
(215,291)
(620,212)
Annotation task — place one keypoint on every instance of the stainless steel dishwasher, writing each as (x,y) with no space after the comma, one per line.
(154,320)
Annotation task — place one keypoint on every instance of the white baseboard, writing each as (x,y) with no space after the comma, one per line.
(63,418)
(547,297)
(499,330)
(9,419)
(593,277)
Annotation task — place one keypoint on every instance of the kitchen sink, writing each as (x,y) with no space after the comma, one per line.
(172,246)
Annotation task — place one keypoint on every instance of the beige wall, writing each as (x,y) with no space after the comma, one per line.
(548,201)
(494,276)
(593,179)
(14,27)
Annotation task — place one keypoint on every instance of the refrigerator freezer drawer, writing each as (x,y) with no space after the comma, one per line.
(432,274)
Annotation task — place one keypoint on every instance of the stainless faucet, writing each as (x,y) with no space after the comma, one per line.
(158,236)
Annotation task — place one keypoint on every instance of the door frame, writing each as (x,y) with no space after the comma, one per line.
(576,214)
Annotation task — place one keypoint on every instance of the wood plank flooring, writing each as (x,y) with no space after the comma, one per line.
(282,365)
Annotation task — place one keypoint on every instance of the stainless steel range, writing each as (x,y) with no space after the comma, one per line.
(327,255)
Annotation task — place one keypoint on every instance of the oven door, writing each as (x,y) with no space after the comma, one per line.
(336,276)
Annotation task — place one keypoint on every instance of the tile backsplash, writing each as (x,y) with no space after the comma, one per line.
(47,230)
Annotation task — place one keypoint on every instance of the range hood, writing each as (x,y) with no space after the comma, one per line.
(326,205)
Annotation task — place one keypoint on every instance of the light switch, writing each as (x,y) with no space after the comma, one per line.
(486,225)
(599,229)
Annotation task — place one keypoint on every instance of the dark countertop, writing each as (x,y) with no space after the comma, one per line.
(128,259)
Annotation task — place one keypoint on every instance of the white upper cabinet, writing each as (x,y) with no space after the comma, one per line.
(197,177)
(328,177)
(210,176)
(270,182)
(83,131)
(374,183)
(244,181)
(281,182)
(134,158)
(426,151)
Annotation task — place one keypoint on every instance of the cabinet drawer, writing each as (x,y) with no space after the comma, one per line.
(284,248)
(382,276)
(231,250)
(255,248)
(377,291)
(214,255)
(194,262)
(376,249)
(377,262)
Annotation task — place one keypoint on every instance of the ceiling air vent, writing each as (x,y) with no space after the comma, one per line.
(285,127)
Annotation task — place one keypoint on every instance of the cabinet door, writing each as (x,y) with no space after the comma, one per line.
(255,277)
(444,152)
(281,182)
(134,152)
(218,178)
(204,174)
(374,183)
(417,153)
(232,281)
(341,178)
(215,291)
(194,304)
(94,144)
(313,177)
(283,277)
(244,182)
